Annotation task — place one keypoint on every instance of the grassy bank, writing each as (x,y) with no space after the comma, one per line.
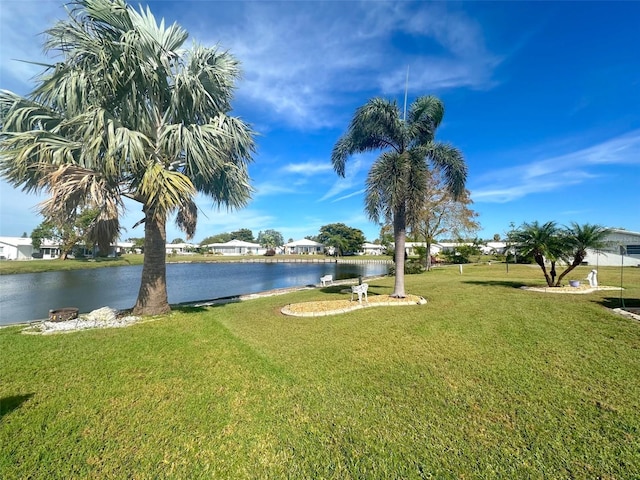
(485,381)
(37,266)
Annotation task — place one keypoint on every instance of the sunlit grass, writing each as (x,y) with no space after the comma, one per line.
(485,381)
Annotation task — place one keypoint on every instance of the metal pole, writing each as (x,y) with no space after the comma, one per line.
(622,251)
(406,89)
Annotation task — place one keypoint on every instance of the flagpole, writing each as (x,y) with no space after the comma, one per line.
(406,89)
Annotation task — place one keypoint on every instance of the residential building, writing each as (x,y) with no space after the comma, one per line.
(304,246)
(236,247)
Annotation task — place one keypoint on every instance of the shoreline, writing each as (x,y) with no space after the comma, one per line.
(224,300)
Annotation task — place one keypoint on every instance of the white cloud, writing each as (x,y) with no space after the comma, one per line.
(351,178)
(308,168)
(303,59)
(272,188)
(559,171)
(353,194)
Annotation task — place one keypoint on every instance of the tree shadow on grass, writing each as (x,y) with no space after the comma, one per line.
(496,283)
(334,288)
(9,404)
(202,306)
(614,302)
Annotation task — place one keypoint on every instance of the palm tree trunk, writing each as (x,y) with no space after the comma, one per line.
(540,261)
(152,297)
(577,260)
(399,235)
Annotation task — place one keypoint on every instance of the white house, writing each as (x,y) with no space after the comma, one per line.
(372,249)
(304,246)
(179,248)
(410,248)
(236,247)
(15,248)
(492,248)
(622,248)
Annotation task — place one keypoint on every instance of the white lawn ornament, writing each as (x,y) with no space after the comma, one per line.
(360,290)
(593,278)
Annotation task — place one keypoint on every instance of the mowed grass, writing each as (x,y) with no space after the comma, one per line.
(485,381)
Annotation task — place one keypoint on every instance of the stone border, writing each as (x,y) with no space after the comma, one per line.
(569,290)
(357,306)
(626,313)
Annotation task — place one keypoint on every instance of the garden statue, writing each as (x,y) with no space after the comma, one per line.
(593,278)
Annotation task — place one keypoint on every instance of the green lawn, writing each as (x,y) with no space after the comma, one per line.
(485,381)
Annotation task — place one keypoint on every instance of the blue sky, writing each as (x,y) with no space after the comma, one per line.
(543,99)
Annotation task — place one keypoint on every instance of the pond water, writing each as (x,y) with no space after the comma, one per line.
(30,296)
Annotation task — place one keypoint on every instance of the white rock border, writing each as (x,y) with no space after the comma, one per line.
(568,290)
(105,317)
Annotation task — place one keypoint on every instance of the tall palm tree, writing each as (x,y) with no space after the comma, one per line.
(539,241)
(397,182)
(128,111)
(579,238)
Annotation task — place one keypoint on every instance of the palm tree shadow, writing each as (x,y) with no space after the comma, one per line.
(9,404)
(496,283)
(202,306)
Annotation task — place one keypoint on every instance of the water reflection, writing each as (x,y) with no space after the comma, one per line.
(28,297)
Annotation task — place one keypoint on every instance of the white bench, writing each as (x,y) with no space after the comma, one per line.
(326,279)
(360,290)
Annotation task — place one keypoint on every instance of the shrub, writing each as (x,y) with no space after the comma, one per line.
(411,267)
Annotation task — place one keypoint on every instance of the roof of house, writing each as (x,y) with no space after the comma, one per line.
(235,243)
(624,232)
(305,242)
(15,241)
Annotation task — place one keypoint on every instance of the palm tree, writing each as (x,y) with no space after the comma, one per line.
(128,112)
(579,238)
(550,243)
(397,182)
(539,241)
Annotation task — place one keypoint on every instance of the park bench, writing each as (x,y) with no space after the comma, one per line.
(327,279)
(360,290)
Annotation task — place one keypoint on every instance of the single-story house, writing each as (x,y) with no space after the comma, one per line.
(410,248)
(622,248)
(15,248)
(179,248)
(493,248)
(304,246)
(236,247)
(372,249)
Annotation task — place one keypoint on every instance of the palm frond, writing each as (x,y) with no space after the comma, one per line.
(70,186)
(127,111)
(386,185)
(187,218)
(375,126)
(164,191)
(450,162)
(425,116)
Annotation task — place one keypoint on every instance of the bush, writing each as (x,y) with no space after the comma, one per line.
(454,257)
(270,253)
(411,267)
